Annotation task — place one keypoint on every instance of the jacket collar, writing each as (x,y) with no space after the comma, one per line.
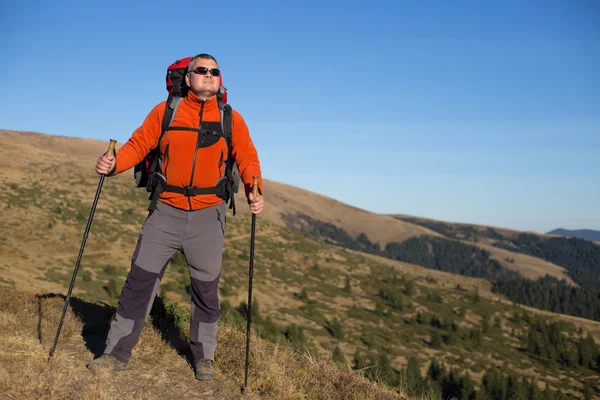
(193,101)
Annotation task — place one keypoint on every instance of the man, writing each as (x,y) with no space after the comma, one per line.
(192,223)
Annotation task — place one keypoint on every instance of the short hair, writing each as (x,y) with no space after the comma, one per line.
(203,56)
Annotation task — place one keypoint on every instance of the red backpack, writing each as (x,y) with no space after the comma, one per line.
(148,172)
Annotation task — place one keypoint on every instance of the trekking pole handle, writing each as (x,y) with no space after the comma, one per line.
(111,147)
(254,185)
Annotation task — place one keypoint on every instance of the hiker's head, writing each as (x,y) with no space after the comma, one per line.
(203,76)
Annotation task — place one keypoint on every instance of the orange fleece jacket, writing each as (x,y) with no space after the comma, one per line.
(177,149)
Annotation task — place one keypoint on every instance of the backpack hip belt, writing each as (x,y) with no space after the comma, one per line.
(223,189)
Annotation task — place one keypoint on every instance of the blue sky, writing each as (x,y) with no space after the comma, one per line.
(479,112)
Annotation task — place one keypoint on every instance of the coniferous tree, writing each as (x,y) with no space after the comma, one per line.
(360,361)
(435,322)
(559,395)
(335,328)
(485,324)
(386,372)
(467,387)
(548,392)
(436,371)
(413,375)
(295,333)
(588,392)
(410,289)
(338,356)
(348,285)
(587,352)
(450,338)
(514,389)
(533,390)
(451,385)
(494,385)
(436,340)
(476,336)
(498,322)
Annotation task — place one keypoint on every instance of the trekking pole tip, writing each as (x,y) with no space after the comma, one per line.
(245,389)
(111,146)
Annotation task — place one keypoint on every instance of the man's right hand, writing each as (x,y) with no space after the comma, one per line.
(105,164)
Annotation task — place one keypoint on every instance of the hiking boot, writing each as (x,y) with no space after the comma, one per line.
(106,361)
(204,370)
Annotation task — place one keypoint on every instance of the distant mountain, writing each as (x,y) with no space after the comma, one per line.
(587,234)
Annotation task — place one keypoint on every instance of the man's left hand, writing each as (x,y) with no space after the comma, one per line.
(256,204)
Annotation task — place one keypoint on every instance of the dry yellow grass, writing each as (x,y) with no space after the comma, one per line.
(528,266)
(28,324)
(72,147)
(380,228)
(510,233)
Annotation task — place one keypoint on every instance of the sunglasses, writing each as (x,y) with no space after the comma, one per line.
(204,70)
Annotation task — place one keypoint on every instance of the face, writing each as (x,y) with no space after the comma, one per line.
(204,85)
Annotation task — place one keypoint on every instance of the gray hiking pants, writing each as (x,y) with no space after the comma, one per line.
(199,235)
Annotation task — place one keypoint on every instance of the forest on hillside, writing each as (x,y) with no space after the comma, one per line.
(548,293)
(580,257)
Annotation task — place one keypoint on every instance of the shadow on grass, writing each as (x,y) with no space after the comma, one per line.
(169,319)
(96,318)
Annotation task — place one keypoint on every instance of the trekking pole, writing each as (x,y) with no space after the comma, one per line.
(111,149)
(250,274)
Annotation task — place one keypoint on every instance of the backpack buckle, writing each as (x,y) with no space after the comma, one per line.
(189,191)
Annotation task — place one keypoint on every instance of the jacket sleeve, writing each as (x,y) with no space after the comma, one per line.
(245,154)
(143,139)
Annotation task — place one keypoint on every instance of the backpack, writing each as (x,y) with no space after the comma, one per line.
(148,172)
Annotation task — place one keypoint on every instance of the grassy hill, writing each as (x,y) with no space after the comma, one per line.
(317,281)
(160,365)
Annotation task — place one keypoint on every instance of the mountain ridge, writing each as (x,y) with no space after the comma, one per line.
(587,234)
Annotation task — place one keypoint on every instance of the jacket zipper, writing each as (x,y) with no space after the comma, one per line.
(199,140)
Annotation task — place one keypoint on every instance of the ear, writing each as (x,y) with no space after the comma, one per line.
(187,79)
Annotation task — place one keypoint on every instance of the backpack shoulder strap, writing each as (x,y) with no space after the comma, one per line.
(156,166)
(226,118)
(170,110)
(226,128)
